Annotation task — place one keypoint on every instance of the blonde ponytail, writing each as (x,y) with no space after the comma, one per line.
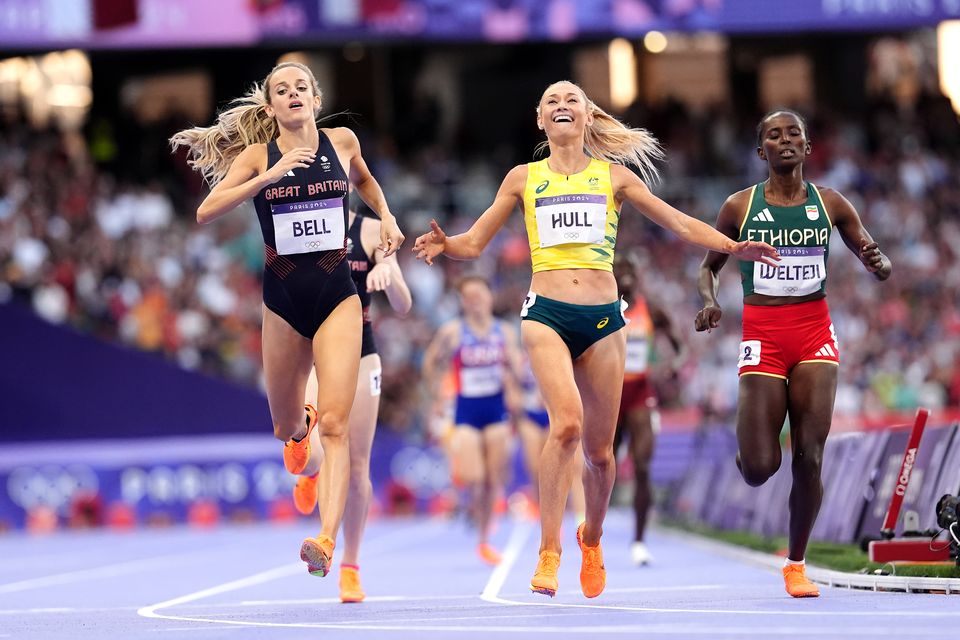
(610,140)
(211,150)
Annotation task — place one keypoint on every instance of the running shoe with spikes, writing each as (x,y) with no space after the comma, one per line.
(545,577)
(296,455)
(593,575)
(350,589)
(318,554)
(796,582)
(305,494)
(488,554)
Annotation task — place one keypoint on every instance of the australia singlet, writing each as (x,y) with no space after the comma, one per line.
(801,234)
(571,220)
(303,218)
(360,265)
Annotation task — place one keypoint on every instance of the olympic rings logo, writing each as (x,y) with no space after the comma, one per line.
(571,235)
(314,244)
(791,289)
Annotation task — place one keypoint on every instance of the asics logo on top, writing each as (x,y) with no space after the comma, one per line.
(763,216)
(603,323)
(543,186)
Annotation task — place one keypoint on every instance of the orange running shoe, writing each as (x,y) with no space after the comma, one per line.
(488,554)
(350,589)
(593,575)
(318,554)
(297,454)
(305,494)
(796,581)
(545,577)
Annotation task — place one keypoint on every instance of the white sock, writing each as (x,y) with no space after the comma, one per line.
(787,562)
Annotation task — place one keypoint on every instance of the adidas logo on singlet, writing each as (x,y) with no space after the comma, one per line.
(290,173)
(763,216)
(826,351)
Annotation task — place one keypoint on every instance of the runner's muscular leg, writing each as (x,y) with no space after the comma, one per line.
(287,357)
(362,425)
(553,370)
(639,426)
(761,410)
(496,438)
(336,356)
(812,391)
(599,376)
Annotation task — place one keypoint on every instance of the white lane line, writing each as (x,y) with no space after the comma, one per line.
(518,538)
(432,598)
(682,630)
(257,578)
(307,601)
(391,541)
(521,533)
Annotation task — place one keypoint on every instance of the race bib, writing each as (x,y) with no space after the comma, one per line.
(801,271)
(749,354)
(304,227)
(476,382)
(572,219)
(638,355)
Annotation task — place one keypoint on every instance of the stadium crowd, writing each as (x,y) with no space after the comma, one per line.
(125,261)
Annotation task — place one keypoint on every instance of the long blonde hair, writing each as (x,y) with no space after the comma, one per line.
(211,150)
(610,140)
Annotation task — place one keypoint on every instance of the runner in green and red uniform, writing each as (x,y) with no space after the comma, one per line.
(789,355)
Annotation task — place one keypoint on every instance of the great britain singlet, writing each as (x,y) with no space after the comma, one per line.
(571,220)
(360,265)
(801,234)
(303,218)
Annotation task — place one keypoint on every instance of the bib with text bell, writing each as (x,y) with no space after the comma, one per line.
(305,227)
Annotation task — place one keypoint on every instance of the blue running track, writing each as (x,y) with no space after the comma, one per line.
(423,581)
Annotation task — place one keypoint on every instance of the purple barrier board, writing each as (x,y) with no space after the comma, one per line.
(927,467)
(845,497)
(946,481)
(887,472)
(699,482)
(160,478)
(883,479)
(68,385)
(835,452)
(722,509)
(773,518)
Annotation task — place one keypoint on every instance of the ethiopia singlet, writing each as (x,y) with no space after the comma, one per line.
(303,218)
(571,220)
(801,234)
(639,337)
(479,362)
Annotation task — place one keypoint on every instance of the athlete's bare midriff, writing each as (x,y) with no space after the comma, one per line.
(760,300)
(576,286)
